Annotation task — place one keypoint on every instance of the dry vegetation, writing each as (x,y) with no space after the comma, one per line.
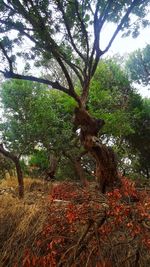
(70,226)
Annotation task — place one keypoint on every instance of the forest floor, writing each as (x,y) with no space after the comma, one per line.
(63,224)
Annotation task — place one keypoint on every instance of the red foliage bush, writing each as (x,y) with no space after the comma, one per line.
(89,229)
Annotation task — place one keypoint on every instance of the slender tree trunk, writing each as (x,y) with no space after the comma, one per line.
(20,178)
(106,163)
(79,171)
(77,166)
(147,172)
(53,166)
(18,169)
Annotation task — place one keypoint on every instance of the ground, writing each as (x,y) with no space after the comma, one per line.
(66,224)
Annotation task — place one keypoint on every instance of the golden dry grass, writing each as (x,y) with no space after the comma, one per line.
(21,220)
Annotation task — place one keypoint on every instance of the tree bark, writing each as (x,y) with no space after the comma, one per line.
(16,161)
(106,163)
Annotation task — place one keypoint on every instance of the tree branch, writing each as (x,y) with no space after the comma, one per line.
(60,6)
(83,28)
(54,85)
(6,56)
(120,25)
(7,153)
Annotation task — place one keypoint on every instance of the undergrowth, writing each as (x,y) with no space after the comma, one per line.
(77,226)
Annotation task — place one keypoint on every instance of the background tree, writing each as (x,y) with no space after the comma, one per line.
(138,66)
(17,133)
(139,139)
(27,121)
(60,30)
(126,114)
(32,123)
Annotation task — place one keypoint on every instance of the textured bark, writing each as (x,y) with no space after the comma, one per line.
(18,169)
(106,163)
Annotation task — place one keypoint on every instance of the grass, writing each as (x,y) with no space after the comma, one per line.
(21,220)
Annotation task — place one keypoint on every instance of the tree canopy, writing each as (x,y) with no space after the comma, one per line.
(61,30)
(138,65)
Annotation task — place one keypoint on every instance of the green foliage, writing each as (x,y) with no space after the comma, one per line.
(19,103)
(109,96)
(138,65)
(33,115)
(39,159)
(36,117)
(140,139)
(63,30)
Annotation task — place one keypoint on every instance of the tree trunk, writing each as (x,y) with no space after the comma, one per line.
(76,161)
(79,171)
(106,163)
(52,168)
(20,177)
(18,169)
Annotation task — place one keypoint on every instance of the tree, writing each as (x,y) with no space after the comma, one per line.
(27,122)
(17,133)
(61,30)
(139,139)
(138,65)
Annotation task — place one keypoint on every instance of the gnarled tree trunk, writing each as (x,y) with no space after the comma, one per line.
(18,169)
(106,164)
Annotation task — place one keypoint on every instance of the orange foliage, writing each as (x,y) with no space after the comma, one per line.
(77,230)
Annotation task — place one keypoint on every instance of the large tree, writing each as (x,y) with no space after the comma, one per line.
(69,32)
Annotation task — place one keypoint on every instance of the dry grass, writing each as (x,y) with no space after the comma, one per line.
(12,182)
(20,224)
(21,220)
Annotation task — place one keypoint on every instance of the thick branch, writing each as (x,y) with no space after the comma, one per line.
(7,153)
(54,85)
